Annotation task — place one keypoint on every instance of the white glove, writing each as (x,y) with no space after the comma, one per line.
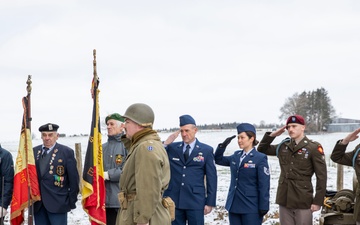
(3,211)
(106,175)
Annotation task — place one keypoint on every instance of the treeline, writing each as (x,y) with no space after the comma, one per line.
(220,126)
(315,106)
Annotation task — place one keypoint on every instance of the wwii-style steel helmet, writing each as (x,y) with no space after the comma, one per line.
(141,114)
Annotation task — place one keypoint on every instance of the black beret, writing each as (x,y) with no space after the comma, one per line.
(48,127)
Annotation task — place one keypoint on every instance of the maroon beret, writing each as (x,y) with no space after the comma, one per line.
(295,119)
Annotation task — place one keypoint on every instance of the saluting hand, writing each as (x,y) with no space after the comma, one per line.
(172,137)
(351,137)
(278,132)
(226,142)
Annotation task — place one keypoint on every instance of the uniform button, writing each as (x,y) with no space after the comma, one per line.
(236,179)
(235,186)
(290,169)
(183,175)
(182,184)
(184,167)
(292,163)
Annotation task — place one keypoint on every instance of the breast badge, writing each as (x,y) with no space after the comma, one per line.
(118,159)
(199,158)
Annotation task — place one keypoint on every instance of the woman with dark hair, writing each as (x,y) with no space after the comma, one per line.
(248,197)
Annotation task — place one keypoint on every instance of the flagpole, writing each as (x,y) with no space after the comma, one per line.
(28,126)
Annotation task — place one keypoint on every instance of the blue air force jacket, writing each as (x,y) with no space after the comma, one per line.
(250,181)
(187,186)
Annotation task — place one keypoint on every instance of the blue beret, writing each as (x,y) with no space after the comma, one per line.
(243,127)
(186,119)
(49,127)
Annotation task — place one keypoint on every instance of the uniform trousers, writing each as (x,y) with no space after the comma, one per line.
(245,219)
(111,214)
(194,217)
(43,217)
(295,216)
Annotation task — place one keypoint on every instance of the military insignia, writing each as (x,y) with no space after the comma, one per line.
(320,149)
(58,180)
(118,159)
(150,148)
(199,158)
(60,170)
(266,171)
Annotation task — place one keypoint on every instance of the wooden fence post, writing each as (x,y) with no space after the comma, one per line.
(340,177)
(79,163)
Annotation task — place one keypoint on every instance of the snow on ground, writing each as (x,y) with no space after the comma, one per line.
(219,215)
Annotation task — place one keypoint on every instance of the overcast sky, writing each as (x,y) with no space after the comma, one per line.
(219,61)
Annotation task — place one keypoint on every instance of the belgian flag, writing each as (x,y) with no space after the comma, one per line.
(93,186)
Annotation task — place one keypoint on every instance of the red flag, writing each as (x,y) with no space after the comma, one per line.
(93,186)
(26,187)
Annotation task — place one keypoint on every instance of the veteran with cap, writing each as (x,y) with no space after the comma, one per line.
(114,155)
(57,176)
(248,196)
(300,158)
(191,162)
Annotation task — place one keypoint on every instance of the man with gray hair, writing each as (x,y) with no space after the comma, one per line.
(114,154)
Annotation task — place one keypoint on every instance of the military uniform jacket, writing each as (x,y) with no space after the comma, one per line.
(187,187)
(58,179)
(338,155)
(114,154)
(250,181)
(298,164)
(146,175)
(6,171)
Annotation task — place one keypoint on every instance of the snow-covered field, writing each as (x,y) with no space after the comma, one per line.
(219,215)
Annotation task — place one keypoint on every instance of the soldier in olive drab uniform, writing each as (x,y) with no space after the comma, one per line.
(299,159)
(350,159)
(146,173)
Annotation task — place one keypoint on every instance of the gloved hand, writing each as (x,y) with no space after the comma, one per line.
(263,212)
(3,211)
(106,175)
(226,142)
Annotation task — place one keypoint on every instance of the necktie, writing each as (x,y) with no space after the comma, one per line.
(45,149)
(186,153)
(242,157)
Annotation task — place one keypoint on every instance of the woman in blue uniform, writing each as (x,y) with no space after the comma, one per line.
(248,197)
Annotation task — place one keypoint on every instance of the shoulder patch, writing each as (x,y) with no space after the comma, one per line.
(150,148)
(320,149)
(266,171)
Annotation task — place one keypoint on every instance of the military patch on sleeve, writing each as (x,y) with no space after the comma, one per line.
(266,171)
(150,148)
(320,149)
